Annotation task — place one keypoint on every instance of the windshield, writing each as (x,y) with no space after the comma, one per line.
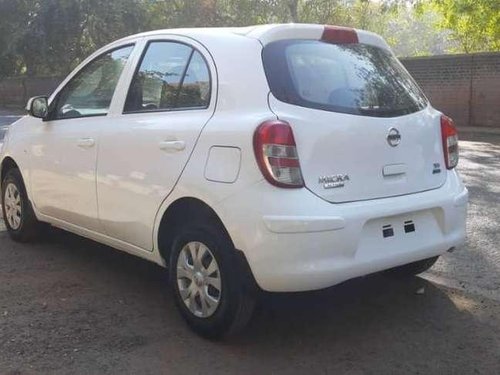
(349,78)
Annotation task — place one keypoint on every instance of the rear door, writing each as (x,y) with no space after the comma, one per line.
(363,128)
(165,105)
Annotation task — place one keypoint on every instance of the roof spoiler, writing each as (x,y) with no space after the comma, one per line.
(331,34)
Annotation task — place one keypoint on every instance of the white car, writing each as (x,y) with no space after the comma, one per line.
(279,158)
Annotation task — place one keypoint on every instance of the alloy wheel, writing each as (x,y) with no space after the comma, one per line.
(13,206)
(199,279)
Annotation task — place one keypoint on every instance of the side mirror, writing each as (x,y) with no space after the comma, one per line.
(38,107)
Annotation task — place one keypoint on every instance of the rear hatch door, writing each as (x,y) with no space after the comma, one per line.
(362,127)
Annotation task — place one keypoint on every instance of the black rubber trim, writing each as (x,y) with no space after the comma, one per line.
(245,272)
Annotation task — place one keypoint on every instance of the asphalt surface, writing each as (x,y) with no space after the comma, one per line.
(69,305)
(8,117)
(5,120)
(476,267)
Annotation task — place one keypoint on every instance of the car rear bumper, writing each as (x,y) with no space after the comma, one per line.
(295,241)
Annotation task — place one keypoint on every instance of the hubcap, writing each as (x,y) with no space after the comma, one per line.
(13,207)
(198,279)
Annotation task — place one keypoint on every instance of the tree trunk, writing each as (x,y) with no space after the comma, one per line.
(293,6)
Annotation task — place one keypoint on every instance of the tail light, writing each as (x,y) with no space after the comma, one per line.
(450,142)
(276,154)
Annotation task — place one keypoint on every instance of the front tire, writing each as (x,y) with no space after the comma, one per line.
(20,220)
(207,286)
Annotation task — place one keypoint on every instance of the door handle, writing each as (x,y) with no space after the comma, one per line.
(86,142)
(172,145)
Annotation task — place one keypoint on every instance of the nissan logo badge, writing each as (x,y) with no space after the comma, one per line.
(393,137)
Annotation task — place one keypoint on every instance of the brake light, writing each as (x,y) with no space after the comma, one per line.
(339,35)
(276,154)
(450,142)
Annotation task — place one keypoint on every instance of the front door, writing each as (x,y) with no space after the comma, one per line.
(64,148)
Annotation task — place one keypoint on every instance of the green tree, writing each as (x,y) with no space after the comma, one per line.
(411,34)
(474,24)
(164,14)
(40,37)
(104,21)
(14,18)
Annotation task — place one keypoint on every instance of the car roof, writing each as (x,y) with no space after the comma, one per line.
(264,33)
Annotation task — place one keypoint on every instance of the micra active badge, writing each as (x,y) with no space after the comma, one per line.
(333,181)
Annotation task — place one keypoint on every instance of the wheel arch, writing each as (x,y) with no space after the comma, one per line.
(7,164)
(178,213)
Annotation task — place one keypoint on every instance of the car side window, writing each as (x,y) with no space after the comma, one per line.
(89,93)
(195,90)
(170,76)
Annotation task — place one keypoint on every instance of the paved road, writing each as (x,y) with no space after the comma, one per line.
(476,267)
(69,305)
(6,118)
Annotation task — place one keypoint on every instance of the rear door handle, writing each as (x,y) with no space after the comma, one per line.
(172,145)
(86,142)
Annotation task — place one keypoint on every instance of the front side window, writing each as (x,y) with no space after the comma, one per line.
(170,76)
(90,92)
(349,78)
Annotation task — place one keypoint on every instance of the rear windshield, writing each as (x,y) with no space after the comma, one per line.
(350,78)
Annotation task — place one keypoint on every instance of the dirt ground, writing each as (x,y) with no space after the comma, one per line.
(69,305)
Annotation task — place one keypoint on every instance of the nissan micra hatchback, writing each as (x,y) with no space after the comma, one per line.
(279,158)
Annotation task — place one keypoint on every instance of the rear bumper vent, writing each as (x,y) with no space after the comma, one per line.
(387,231)
(409,226)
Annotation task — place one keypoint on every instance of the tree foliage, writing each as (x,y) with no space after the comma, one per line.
(40,37)
(474,24)
(46,37)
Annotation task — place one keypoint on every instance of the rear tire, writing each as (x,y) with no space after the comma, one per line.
(19,217)
(206,282)
(412,269)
